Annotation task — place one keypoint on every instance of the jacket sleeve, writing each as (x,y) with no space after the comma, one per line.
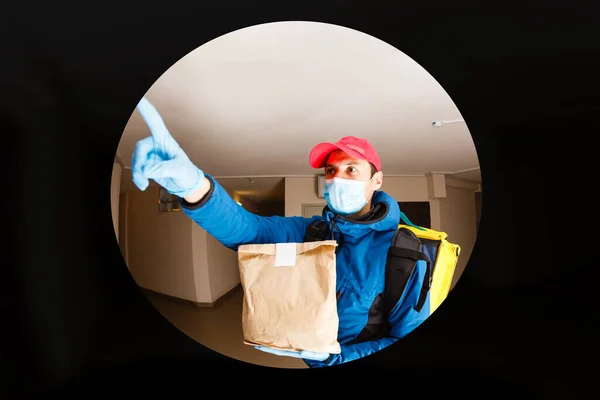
(232,225)
(403,319)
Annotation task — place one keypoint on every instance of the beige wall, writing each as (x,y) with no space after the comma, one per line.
(201,276)
(300,191)
(168,253)
(222,266)
(161,246)
(406,188)
(459,219)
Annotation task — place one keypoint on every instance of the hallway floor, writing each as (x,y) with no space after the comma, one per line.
(219,328)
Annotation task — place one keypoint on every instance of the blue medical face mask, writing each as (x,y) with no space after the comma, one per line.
(345,196)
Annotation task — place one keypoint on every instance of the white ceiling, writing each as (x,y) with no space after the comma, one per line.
(254,102)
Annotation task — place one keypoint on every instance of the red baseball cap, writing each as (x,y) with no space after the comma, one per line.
(353,146)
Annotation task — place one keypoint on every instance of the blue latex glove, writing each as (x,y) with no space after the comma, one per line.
(159,157)
(309,355)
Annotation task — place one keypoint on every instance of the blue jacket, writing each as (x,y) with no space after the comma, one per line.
(361,260)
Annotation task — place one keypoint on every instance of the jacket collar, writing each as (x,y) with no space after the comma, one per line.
(386,218)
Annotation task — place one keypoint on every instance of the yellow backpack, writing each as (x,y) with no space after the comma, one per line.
(443,255)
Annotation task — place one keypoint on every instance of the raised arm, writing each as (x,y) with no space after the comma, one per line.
(233,225)
(204,200)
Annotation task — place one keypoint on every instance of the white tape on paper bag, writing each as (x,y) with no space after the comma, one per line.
(285,254)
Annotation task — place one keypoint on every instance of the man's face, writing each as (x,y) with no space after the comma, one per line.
(341,165)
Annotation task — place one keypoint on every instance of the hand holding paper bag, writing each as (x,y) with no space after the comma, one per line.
(309,355)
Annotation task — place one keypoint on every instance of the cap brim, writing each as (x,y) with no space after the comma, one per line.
(318,155)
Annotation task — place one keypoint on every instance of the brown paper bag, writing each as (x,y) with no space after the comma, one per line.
(289,296)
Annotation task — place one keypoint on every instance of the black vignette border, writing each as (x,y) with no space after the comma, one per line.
(518,321)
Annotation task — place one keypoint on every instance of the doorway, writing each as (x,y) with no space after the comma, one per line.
(418,212)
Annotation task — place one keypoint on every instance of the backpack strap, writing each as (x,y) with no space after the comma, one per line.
(426,287)
(404,253)
(319,230)
(316,231)
(407,221)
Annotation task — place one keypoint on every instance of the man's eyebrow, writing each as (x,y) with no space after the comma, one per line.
(346,163)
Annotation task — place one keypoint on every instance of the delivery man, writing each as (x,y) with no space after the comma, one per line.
(362,218)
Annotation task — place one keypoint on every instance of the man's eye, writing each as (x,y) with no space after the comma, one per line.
(351,169)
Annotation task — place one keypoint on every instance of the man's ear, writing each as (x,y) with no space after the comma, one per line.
(378,180)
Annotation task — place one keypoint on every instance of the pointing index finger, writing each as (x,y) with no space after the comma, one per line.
(162,137)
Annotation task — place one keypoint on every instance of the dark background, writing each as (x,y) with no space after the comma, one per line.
(522,319)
